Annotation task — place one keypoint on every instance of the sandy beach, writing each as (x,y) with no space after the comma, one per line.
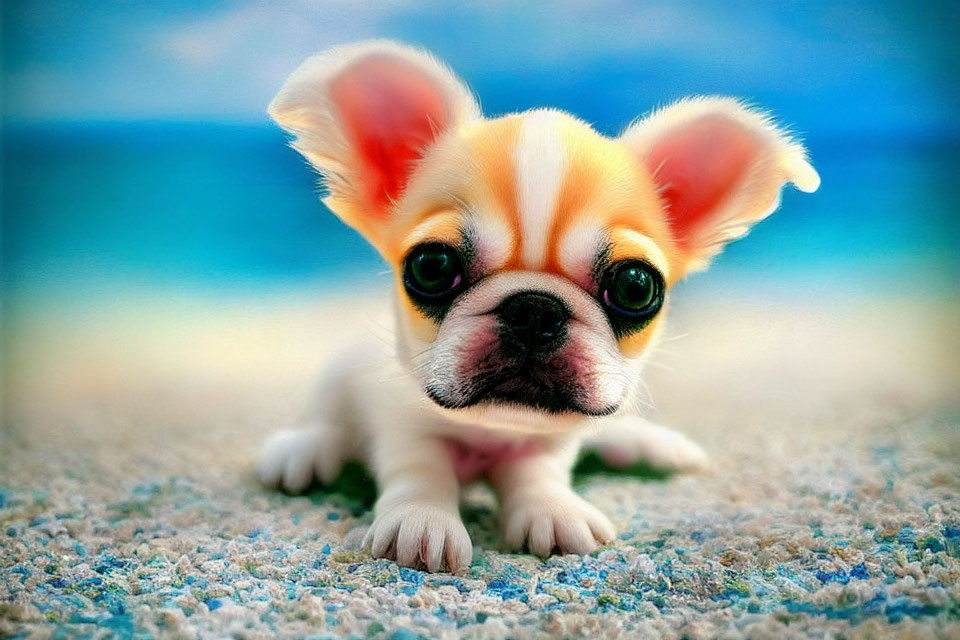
(832,505)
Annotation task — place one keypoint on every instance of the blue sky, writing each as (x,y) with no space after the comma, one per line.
(834,68)
(158,89)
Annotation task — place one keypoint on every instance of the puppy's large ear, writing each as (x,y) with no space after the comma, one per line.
(363,114)
(719,168)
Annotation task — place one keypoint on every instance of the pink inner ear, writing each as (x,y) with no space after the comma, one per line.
(699,165)
(391,110)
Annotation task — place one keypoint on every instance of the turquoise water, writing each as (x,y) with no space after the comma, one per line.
(90,206)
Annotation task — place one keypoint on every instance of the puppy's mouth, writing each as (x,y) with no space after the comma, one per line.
(539,386)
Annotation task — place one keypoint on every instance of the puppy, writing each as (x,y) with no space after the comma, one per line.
(533,259)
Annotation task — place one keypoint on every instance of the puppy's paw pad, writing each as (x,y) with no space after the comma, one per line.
(290,459)
(562,520)
(421,535)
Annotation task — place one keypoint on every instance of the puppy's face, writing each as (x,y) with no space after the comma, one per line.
(532,265)
(533,256)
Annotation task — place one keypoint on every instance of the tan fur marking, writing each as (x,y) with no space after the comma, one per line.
(421,326)
(634,344)
(439,225)
(493,142)
(575,194)
(603,181)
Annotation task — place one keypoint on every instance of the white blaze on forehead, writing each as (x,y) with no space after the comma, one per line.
(539,159)
(578,249)
(493,240)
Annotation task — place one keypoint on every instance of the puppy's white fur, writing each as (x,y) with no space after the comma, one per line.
(398,435)
(447,177)
(539,161)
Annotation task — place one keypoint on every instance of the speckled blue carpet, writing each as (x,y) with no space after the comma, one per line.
(128,508)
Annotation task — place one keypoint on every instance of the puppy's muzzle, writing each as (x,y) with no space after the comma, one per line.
(532,322)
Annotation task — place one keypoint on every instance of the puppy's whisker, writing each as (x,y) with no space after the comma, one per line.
(660,365)
(642,387)
(638,406)
(679,336)
(420,359)
(425,351)
(667,352)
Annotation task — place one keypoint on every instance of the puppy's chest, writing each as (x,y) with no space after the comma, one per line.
(474,459)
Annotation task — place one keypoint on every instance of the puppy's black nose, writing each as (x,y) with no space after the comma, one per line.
(535,320)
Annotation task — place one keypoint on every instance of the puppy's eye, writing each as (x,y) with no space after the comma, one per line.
(632,292)
(433,273)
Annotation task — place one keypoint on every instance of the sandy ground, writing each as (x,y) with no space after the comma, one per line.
(832,503)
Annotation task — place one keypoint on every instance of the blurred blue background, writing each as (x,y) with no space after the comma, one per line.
(136,150)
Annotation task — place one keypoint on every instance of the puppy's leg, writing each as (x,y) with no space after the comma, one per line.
(417,517)
(290,459)
(541,510)
(627,440)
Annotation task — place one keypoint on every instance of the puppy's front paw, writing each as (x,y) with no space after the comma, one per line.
(290,459)
(555,519)
(416,535)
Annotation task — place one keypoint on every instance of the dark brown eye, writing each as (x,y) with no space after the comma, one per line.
(632,292)
(433,273)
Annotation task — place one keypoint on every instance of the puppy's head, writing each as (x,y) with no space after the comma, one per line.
(533,256)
